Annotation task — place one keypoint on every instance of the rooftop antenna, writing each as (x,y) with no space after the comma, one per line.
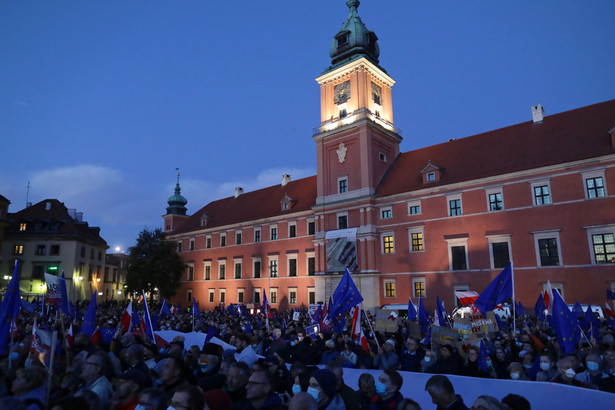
(27,194)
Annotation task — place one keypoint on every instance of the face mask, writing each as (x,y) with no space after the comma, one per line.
(140,407)
(545,366)
(570,373)
(381,388)
(592,366)
(292,343)
(427,359)
(527,366)
(296,389)
(170,408)
(489,364)
(514,376)
(300,338)
(314,393)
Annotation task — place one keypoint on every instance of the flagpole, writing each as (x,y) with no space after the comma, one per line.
(54,340)
(370,326)
(193,313)
(512,279)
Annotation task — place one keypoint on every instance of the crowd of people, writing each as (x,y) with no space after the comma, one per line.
(274,363)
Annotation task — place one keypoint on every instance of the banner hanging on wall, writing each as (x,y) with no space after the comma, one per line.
(341,247)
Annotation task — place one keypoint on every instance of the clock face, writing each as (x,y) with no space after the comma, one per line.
(342,92)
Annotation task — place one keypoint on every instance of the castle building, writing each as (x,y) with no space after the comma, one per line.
(427,222)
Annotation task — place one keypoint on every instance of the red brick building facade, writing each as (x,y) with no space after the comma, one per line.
(426,222)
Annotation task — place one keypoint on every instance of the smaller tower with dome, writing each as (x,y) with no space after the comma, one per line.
(176,209)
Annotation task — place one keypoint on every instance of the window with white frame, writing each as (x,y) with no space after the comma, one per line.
(292,264)
(431,176)
(389,288)
(414,208)
(237,263)
(541,193)
(454,205)
(222,295)
(221,269)
(387,241)
(292,296)
(292,230)
(222,239)
(240,293)
(595,186)
(207,270)
(273,296)
(342,185)
(211,295)
(386,213)
(499,251)
(208,241)
(238,238)
(190,272)
(311,227)
(256,267)
(342,220)
(415,237)
(601,241)
(191,244)
(310,260)
(257,234)
(548,248)
(458,253)
(257,296)
(418,287)
(311,295)
(495,199)
(273,232)
(273,266)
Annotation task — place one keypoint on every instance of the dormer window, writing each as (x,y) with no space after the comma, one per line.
(431,173)
(431,176)
(342,39)
(286,203)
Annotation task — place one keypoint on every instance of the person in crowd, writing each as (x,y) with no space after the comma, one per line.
(566,373)
(547,368)
(260,393)
(386,357)
(94,375)
(127,388)
(346,393)
(302,401)
(367,390)
(187,396)
(330,353)
(172,375)
(429,362)
(322,389)
(412,355)
(485,402)
(472,367)
(235,384)
(443,394)
(500,361)
(516,402)
(387,391)
(210,361)
(30,387)
(516,371)
(349,357)
(447,362)
(245,352)
(153,398)
(408,404)
(593,373)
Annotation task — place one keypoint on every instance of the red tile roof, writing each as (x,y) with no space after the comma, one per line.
(263,203)
(569,136)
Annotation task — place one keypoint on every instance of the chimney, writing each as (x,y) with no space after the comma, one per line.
(538,113)
(285,179)
(238,191)
(612,133)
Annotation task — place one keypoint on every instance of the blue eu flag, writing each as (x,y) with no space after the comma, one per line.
(346,296)
(498,291)
(565,323)
(9,309)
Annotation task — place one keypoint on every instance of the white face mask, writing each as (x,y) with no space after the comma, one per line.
(570,373)
(545,366)
(514,376)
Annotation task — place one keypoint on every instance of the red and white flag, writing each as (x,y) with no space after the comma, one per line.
(41,344)
(466,298)
(126,319)
(393,315)
(548,298)
(608,311)
(357,330)
(69,337)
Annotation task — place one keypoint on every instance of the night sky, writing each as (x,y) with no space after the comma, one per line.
(101,101)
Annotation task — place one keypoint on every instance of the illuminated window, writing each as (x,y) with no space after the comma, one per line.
(418,287)
(18,250)
(22,226)
(292,296)
(388,244)
(273,268)
(604,247)
(274,296)
(222,295)
(417,241)
(389,288)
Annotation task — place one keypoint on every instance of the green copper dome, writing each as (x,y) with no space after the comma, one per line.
(177,203)
(354,40)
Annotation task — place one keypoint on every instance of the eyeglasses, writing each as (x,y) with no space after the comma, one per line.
(176,405)
(255,383)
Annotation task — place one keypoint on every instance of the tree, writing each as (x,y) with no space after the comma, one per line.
(154,263)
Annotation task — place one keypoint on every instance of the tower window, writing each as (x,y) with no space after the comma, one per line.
(342,39)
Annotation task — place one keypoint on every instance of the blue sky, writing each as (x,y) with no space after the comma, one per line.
(101,101)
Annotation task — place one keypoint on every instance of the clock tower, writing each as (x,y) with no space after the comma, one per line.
(356,144)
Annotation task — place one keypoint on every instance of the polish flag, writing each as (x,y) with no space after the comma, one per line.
(96,337)
(393,315)
(69,337)
(126,319)
(608,311)
(548,298)
(357,330)
(466,298)
(436,320)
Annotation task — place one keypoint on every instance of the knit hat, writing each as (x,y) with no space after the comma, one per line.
(213,349)
(327,381)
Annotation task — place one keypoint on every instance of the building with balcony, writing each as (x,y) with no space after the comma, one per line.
(427,222)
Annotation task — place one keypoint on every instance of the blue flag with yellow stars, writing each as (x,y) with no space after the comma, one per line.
(565,323)
(498,291)
(89,320)
(9,309)
(346,296)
